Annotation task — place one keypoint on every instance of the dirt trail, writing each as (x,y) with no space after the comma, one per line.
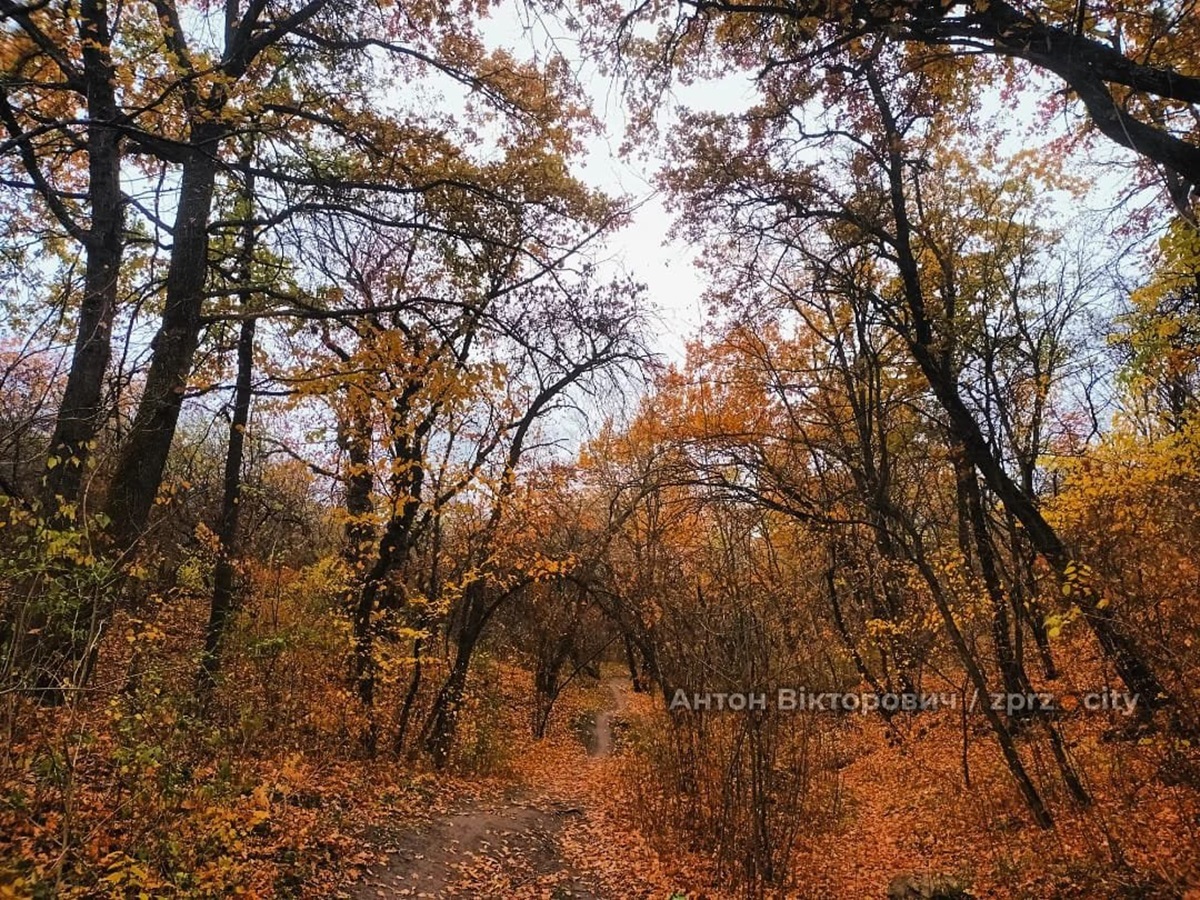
(481,850)
(499,849)
(602,732)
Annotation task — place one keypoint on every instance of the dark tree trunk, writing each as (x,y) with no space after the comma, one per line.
(227,531)
(410,699)
(635,674)
(64,647)
(144,457)
(392,548)
(354,439)
(222,606)
(1025,601)
(443,719)
(80,414)
(889,644)
(1004,737)
(654,667)
(399,534)
(839,622)
(546,685)
(873,479)
(1012,674)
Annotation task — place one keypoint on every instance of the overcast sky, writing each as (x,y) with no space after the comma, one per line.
(642,249)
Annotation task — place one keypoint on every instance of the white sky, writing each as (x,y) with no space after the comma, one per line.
(642,249)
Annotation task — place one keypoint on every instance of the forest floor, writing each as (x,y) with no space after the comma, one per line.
(548,830)
(482,848)
(577,814)
(561,821)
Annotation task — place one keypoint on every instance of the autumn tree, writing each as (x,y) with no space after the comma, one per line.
(442,351)
(1158,334)
(71,170)
(250,82)
(587,334)
(886,140)
(1130,67)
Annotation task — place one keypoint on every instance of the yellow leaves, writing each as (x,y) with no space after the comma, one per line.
(207,539)
(1159,332)
(130,874)
(543,568)
(260,802)
(881,627)
(19,888)
(1056,622)
(144,632)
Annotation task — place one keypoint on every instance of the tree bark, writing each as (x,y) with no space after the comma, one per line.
(443,719)
(1025,601)
(1012,674)
(222,606)
(410,698)
(144,457)
(631,663)
(1004,738)
(80,415)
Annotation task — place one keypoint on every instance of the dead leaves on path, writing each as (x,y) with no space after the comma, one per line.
(559,825)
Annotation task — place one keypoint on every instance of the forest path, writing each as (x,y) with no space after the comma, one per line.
(483,849)
(512,846)
(601,742)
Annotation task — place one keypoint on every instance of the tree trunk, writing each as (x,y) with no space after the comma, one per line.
(222,606)
(443,720)
(227,531)
(839,621)
(1110,633)
(546,686)
(1025,601)
(144,457)
(79,414)
(64,649)
(1012,674)
(631,662)
(410,697)
(1003,736)
(354,439)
